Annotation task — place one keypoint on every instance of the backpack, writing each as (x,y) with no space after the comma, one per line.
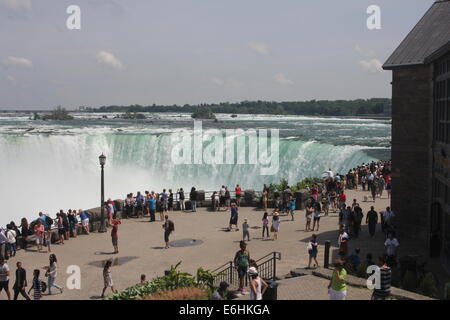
(171,226)
(49,221)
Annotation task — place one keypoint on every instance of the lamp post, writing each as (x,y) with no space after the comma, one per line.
(102,228)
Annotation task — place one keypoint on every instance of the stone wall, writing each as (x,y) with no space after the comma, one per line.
(411,149)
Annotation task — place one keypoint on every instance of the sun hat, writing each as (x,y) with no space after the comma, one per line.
(252,271)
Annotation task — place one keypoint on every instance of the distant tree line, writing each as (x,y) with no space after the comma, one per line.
(312,107)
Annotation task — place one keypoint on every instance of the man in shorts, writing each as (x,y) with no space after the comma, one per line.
(241,262)
(84,220)
(168,227)
(4,278)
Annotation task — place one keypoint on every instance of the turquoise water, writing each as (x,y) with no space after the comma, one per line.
(52,165)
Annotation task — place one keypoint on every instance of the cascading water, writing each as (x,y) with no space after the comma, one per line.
(47,171)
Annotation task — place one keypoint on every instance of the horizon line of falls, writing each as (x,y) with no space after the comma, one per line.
(51,172)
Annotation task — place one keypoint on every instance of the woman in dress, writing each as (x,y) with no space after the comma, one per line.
(37,285)
(61,229)
(265,222)
(107,278)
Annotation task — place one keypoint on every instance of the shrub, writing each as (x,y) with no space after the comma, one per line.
(189,293)
(409,281)
(427,286)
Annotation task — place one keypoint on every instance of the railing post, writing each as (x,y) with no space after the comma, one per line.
(326,261)
(274,265)
(231,273)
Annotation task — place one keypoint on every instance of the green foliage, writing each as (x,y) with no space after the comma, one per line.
(409,281)
(312,107)
(59,113)
(203,112)
(283,184)
(171,281)
(427,286)
(132,116)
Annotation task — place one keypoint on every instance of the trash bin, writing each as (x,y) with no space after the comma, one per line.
(272,290)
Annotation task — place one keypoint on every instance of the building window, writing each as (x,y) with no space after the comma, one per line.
(441,105)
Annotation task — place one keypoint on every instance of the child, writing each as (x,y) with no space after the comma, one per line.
(37,285)
(143,278)
(107,278)
(245,232)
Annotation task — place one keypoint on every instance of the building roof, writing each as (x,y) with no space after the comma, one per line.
(428,40)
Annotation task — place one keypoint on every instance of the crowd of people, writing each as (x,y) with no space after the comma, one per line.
(329,197)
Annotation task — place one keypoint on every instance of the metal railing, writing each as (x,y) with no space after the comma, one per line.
(267,270)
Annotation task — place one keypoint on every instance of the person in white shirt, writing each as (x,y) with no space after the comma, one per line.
(51,273)
(11,237)
(391,244)
(257,285)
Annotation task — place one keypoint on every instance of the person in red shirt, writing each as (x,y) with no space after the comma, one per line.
(115,235)
(342,199)
(238,195)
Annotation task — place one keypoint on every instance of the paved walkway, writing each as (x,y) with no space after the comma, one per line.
(141,248)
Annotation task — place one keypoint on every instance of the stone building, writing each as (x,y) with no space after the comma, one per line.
(421,131)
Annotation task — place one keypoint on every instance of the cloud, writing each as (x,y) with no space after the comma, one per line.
(281,78)
(372,65)
(369,60)
(109,59)
(231,83)
(17,4)
(11,79)
(18,62)
(260,48)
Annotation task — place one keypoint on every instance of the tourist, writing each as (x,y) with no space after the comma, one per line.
(241,261)
(4,277)
(391,244)
(115,234)
(107,278)
(37,285)
(84,216)
(257,285)
(373,189)
(51,273)
(316,215)
(337,288)
(170,201)
(21,282)
(129,204)
(325,205)
(342,199)
(245,230)
(160,207)
(139,205)
(222,292)
(357,219)
(73,222)
(39,232)
(227,198)
(238,192)
(25,233)
(181,198)
(234,217)
(110,210)
(11,240)
(309,216)
(143,278)
(312,251)
(265,198)
(372,220)
(384,291)
(152,208)
(388,188)
(380,187)
(387,218)
(275,226)
(61,230)
(66,224)
(345,217)
(168,227)
(355,259)
(193,198)
(292,207)
(47,222)
(265,221)
(343,242)
(222,197)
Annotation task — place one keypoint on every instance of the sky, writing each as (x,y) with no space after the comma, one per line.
(196,51)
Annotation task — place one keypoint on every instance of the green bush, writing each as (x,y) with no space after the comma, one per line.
(409,281)
(171,281)
(427,286)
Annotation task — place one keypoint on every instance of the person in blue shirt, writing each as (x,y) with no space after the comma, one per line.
(354,258)
(84,216)
(152,208)
(139,204)
(292,207)
(42,217)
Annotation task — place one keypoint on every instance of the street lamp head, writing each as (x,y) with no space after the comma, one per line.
(102,159)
